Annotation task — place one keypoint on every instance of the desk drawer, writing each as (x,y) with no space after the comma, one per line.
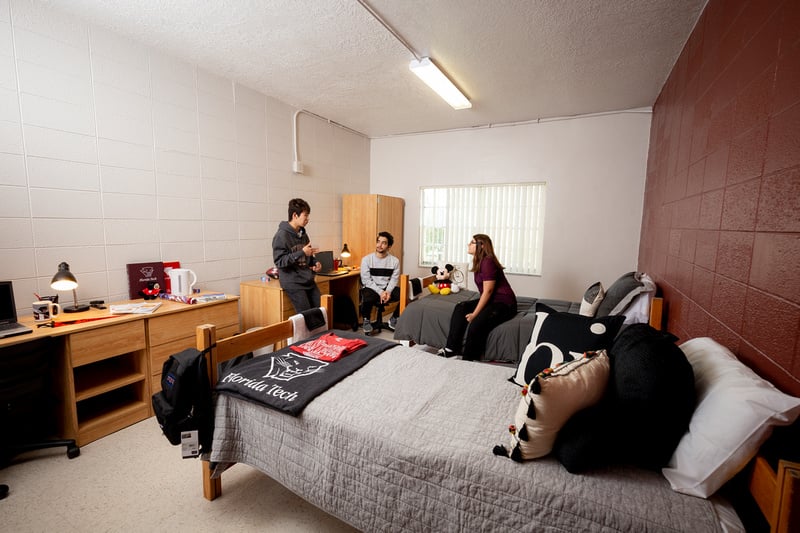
(101,343)
(180,325)
(161,352)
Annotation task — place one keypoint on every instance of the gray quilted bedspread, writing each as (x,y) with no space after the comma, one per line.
(427,321)
(405,444)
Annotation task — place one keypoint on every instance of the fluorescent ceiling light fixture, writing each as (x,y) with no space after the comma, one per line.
(436,80)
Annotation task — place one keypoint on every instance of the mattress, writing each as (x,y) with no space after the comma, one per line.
(405,444)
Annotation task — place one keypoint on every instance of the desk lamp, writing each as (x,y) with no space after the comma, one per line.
(345,253)
(64,280)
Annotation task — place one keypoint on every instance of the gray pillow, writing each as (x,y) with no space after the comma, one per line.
(592,299)
(620,294)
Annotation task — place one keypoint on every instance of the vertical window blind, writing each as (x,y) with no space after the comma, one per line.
(511,214)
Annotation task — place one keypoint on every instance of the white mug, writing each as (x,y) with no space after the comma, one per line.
(44,310)
(179,281)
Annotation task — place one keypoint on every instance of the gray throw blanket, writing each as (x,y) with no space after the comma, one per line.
(288,381)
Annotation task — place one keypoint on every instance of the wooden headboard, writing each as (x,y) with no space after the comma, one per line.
(405,295)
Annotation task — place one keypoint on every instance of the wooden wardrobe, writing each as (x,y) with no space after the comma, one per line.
(363,216)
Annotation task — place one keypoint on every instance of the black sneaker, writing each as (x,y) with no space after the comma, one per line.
(367,326)
(392,323)
(445,352)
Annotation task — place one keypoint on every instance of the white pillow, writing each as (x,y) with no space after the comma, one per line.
(736,411)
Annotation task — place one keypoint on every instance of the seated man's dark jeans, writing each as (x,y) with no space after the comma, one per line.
(370,299)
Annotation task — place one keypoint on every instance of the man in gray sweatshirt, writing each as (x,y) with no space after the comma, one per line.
(293,255)
(380,274)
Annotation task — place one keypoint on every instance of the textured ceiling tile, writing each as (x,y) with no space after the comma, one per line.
(516,61)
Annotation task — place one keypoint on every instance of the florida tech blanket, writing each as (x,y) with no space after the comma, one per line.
(287,380)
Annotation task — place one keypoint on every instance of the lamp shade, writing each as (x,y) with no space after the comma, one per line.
(63,280)
(345,251)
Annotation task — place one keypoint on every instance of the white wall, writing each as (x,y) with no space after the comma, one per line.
(112,152)
(595,169)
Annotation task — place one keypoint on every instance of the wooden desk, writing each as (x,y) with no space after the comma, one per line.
(108,369)
(265,302)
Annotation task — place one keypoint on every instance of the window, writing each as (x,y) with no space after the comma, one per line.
(511,214)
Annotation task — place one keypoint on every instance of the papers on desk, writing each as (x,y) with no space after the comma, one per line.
(144,308)
(211,297)
(196,299)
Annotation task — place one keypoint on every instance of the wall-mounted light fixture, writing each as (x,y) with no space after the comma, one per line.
(434,78)
(64,280)
(425,68)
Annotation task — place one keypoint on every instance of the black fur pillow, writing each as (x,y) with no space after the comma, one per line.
(647,409)
(652,384)
(562,337)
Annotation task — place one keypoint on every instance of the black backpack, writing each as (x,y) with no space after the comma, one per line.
(184,402)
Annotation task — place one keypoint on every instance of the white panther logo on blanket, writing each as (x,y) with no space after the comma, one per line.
(286,367)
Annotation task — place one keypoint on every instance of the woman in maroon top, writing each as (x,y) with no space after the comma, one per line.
(497,303)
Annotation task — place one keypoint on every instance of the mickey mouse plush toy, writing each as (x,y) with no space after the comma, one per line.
(443,284)
(151,291)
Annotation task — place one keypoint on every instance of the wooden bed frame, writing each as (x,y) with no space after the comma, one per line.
(776,493)
(656,307)
(226,349)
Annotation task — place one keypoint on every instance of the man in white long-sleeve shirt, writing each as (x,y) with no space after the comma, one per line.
(380,273)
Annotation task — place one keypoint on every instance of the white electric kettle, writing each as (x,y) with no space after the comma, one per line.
(179,281)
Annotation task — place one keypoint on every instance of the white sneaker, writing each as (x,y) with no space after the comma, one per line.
(392,323)
(367,326)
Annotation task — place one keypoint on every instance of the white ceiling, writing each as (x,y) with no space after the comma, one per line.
(516,60)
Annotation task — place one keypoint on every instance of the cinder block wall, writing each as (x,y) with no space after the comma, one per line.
(721,223)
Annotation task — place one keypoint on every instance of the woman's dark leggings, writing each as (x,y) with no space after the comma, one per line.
(489,318)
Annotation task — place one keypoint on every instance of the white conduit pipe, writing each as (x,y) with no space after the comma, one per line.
(297,165)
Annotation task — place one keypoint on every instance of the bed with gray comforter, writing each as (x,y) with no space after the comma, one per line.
(405,444)
(427,321)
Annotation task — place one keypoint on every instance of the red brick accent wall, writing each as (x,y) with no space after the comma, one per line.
(721,224)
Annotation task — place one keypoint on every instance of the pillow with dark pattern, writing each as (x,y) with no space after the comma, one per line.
(562,337)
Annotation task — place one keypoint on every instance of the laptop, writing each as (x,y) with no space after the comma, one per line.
(8,313)
(326,259)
